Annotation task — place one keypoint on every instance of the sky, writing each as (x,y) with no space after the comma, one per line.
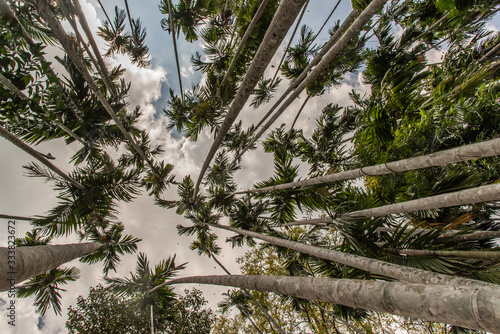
(25,196)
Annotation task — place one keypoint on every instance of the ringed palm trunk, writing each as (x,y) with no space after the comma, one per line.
(172,30)
(255,301)
(494,254)
(283,19)
(475,308)
(31,261)
(374,266)
(244,39)
(35,154)
(343,27)
(451,236)
(60,34)
(464,153)
(470,196)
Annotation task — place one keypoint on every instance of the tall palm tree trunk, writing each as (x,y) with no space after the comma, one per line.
(172,30)
(327,19)
(255,301)
(377,267)
(22,263)
(470,196)
(60,34)
(475,308)
(283,19)
(291,39)
(35,154)
(475,195)
(2,216)
(450,236)
(244,39)
(152,322)
(298,113)
(100,61)
(477,254)
(351,32)
(464,153)
(347,22)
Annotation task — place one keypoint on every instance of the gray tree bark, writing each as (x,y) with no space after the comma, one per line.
(464,153)
(21,263)
(377,267)
(475,308)
(283,19)
(249,30)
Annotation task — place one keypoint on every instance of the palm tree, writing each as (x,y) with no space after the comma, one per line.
(441,303)
(350,19)
(353,30)
(59,32)
(464,153)
(282,20)
(244,39)
(36,260)
(291,39)
(377,267)
(238,300)
(16,141)
(114,244)
(168,10)
(141,284)
(45,288)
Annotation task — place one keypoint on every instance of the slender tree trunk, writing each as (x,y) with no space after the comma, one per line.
(327,19)
(172,30)
(374,266)
(35,154)
(490,54)
(246,315)
(255,301)
(6,11)
(2,216)
(283,19)
(479,235)
(336,49)
(494,254)
(100,62)
(60,34)
(21,263)
(291,39)
(464,153)
(469,196)
(152,322)
(475,308)
(105,13)
(298,113)
(7,83)
(244,39)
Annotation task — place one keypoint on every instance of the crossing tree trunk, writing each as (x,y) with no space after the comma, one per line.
(475,308)
(22,263)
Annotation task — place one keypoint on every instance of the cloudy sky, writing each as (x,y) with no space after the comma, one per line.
(25,196)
